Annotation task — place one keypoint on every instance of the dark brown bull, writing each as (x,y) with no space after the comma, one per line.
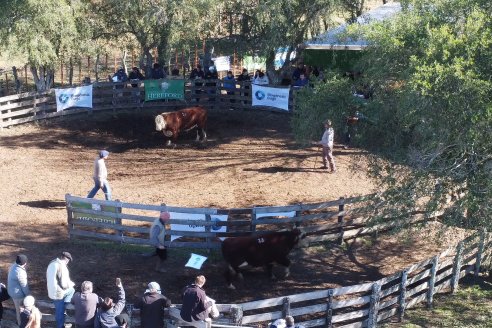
(171,124)
(259,251)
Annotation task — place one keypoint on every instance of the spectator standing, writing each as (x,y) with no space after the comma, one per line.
(60,286)
(300,69)
(17,284)
(197,74)
(157,234)
(30,315)
(229,83)
(152,306)
(135,76)
(101,176)
(4,295)
(85,304)
(327,145)
(244,77)
(120,76)
(157,72)
(175,72)
(262,79)
(196,305)
(106,314)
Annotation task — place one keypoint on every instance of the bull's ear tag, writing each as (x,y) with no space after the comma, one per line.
(261,240)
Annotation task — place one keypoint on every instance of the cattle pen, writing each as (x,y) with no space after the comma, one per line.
(363,305)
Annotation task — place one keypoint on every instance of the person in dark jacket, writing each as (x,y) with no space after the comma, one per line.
(108,311)
(135,76)
(196,305)
(157,72)
(197,74)
(4,295)
(85,304)
(152,306)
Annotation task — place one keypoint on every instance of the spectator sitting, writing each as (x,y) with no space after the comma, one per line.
(244,76)
(175,71)
(230,84)
(157,72)
(262,79)
(300,69)
(197,73)
(108,311)
(152,306)
(30,315)
(301,82)
(120,76)
(135,76)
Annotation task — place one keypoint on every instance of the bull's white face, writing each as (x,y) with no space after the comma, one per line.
(160,123)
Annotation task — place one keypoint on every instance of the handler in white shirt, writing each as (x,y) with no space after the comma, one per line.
(101,176)
(327,144)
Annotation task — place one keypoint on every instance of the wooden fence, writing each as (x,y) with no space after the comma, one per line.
(129,222)
(33,106)
(363,305)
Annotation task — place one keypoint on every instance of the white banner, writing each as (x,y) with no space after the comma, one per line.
(73,97)
(271,97)
(222,63)
(196,227)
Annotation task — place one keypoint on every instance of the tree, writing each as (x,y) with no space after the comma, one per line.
(431,72)
(38,31)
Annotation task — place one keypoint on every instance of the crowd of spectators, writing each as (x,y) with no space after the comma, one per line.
(93,311)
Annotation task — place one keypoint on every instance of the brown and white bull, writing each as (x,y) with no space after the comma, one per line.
(171,124)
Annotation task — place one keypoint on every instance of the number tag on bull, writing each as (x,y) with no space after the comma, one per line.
(260,240)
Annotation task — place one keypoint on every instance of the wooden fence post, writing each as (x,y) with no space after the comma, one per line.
(253,219)
(119,210)
(329,310)
(208,218)
(341,207)
(237,314)
(403,295)
(285,307)
(456,267)
(481,247)
(374,305)
(69,216)
(432,281)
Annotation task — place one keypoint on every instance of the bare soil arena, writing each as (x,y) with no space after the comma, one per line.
(249,159)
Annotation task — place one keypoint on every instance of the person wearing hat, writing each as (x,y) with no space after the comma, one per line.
(60,286)
(30,315)
(17,285)
(327,145)
(152,306)
(157,235)
(85,305)
(101,176)
(109,310)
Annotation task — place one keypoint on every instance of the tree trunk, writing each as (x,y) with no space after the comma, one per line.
(43,77)
(96,68)
(17,82)
(123,60)
(70,72)
(148,62)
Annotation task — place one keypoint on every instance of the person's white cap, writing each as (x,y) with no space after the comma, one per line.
(153,286)
(28,301)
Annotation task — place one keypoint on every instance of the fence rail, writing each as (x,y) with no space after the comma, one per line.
(108,96)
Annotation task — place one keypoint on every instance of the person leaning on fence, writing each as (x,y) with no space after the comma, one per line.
(157,235)
(229,83)
(60,286)
(30,314)
(152,305)
(106,314)
(135,76)
(17,284)
(101,176)
(85,305)
(197,307)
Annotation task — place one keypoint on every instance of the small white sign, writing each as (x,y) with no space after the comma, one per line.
(196,261)
(222,63)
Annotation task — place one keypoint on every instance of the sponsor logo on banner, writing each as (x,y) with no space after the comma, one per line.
(270,97)
(163,89)
(196,227)
(73,97)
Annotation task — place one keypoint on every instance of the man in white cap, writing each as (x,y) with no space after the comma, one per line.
(60,286)
(30,315)
(152,306)
(101,176)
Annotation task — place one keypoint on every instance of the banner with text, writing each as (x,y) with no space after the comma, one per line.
(164,89)
(73,97)
(271,97)
(196,227)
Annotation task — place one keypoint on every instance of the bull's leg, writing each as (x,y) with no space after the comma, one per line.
(269,271)
(197,135)
(285,262)
(204,135)
(229,275)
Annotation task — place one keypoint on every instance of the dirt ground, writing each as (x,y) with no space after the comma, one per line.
(250,159)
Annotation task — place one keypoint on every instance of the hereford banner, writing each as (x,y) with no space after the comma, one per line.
(164,89)
(271,97)
(195,227)
(73,97)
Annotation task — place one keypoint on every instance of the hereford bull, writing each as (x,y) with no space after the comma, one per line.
(259,251)
(171,124)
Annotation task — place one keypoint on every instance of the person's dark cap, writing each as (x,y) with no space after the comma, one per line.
(67,255)
(122,319)
(21,259)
